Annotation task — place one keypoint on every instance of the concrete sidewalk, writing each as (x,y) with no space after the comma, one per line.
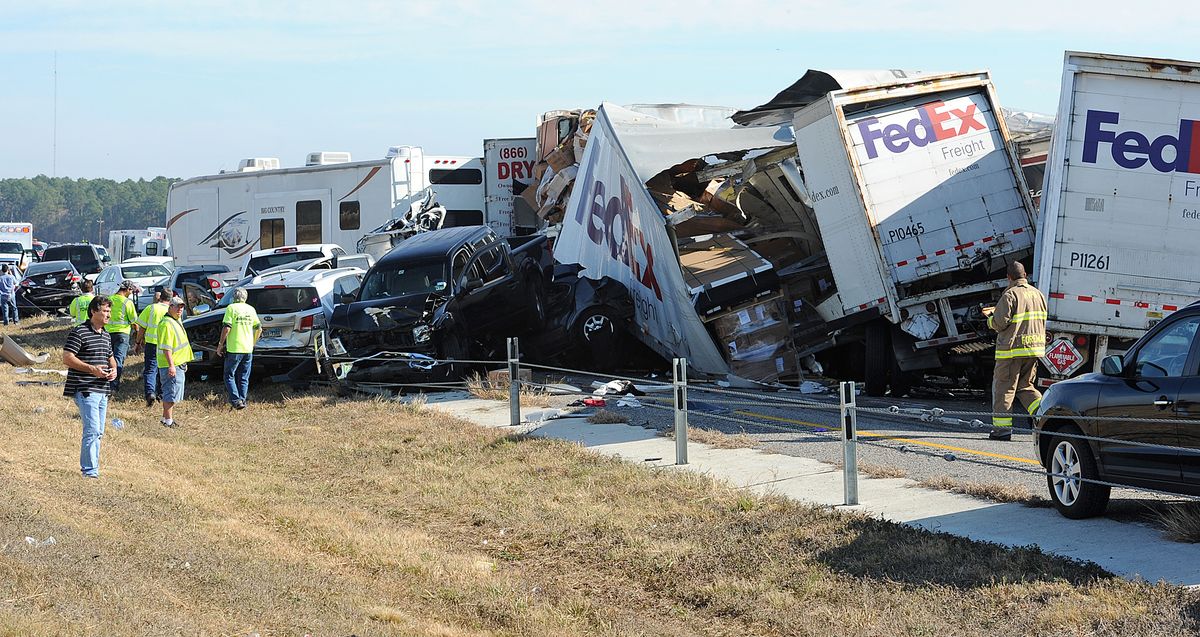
(1126,549)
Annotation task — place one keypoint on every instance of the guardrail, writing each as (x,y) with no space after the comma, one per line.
(847,412)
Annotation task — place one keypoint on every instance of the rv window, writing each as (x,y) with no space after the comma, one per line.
(456,177)
(270,233)
(348,218)
(456,218)
(308,222)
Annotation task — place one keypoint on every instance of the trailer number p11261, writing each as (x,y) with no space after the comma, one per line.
(1089,261)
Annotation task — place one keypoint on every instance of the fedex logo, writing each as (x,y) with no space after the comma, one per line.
(1132,149)
(932,123)
(610,221)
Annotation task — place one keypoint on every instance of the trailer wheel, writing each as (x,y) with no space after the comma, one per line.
(878,357)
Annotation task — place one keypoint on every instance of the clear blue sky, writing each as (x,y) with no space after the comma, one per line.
(148,88)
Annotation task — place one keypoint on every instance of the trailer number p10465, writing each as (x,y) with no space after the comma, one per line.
(1089,261)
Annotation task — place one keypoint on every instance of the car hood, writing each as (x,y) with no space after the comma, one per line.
(382,314)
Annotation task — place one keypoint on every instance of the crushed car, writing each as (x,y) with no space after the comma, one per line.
(445,295)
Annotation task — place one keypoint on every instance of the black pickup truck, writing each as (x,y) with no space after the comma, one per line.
(456,293)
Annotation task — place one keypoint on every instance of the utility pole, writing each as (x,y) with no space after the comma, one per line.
(54,138)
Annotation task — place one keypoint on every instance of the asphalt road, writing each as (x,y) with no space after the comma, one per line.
(960,451)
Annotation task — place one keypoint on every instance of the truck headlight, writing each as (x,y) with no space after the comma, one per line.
(422,334)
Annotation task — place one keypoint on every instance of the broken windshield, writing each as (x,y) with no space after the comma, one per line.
(404,279)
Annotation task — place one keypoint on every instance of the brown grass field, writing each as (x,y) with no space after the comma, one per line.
(310,514)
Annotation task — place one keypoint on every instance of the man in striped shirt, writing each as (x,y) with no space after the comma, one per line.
(91,368)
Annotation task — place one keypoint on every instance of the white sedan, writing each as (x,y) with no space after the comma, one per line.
(145,274)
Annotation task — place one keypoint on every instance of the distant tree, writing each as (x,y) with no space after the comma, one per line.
(64,209)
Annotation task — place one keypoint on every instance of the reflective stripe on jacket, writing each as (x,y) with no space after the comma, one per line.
(1020,322)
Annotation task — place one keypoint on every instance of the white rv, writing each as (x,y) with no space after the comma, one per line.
(221,218)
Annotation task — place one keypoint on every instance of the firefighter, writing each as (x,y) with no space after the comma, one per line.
(1019,319)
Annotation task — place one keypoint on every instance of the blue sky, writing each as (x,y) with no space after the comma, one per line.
(184,89)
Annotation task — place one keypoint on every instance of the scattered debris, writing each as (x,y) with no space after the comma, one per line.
(32,541)
(594,402)
(812,387)
(616,388)
(17,356)
(542,415)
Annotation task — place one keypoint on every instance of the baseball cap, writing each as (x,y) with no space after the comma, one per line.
(175,300)
(129,285)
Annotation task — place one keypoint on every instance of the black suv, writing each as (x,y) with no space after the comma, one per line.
(1157,379)
(86,258)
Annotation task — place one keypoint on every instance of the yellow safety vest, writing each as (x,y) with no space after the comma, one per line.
(79,307)
(149,319)
(124,315)
(173,338)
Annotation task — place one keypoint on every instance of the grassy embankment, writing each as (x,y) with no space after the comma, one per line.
(308,513)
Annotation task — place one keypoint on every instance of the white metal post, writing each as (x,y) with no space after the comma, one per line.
(679,371)
(514,383)
(849,444)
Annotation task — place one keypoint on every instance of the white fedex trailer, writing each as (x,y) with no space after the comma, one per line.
(1120,222)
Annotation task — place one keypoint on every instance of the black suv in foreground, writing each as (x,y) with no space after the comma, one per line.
(1157,379)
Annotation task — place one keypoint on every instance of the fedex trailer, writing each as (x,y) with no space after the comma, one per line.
(1120,215)
(921,204)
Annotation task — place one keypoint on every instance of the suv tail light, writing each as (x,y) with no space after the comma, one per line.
(75,278)
(306,323)
(27,282)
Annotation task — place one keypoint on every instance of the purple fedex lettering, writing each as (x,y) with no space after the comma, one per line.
(611,222)
(1132,149)
(928,126)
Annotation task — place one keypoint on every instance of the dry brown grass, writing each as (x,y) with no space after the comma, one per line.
(1181,522)
(994,491)
(606,417)
(715,438)
(481,387)
(315,514)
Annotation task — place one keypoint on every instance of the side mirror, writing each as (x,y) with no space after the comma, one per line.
(346,298)
(201,309)
(471,285)
(106,259)
(1112,366)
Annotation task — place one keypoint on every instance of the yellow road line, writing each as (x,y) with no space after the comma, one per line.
(869,434)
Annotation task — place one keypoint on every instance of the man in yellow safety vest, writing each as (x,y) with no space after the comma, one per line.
(79,306)
(147,323)
(122,324)
(1020,323)
(174,353)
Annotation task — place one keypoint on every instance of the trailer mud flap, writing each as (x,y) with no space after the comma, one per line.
(908,357)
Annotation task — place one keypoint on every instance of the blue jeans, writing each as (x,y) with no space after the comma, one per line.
(172,388)
(10,309)
(120,347)
(92,410)
(150,371)
(237,376)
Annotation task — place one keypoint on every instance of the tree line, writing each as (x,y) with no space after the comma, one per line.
(67,210)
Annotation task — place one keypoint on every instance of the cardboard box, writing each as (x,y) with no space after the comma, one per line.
(561,157)
(756,340)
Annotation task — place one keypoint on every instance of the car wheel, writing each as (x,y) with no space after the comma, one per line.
(1070,467)
(455,349)
(599,337)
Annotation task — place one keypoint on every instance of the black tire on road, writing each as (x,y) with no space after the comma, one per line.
(878,357)
(1072,459)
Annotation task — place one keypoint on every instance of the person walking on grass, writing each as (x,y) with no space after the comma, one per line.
(240,331)
(120,326)
(174,352)
(79,305)
(91,368)
(147,338)
(1020,323)
(8,294)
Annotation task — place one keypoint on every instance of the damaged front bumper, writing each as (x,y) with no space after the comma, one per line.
(349,359)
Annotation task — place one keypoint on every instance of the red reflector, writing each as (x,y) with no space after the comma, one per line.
(454,161)
(1081,341)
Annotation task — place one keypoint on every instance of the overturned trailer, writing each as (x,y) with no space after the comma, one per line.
(875,233)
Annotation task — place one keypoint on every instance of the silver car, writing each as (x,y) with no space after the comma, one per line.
(291,306)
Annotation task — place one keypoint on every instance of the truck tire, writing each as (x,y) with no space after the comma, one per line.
(1071,458)
(877,362)
(598,334)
